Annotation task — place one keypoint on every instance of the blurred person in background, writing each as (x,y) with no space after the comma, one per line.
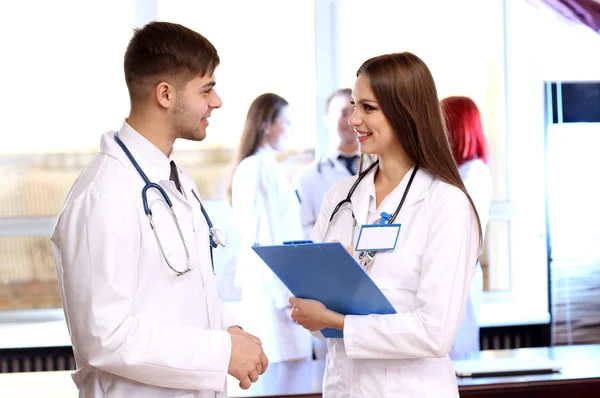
(266,211)
(469,148)
(341,161)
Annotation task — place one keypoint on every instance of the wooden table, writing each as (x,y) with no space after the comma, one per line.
(580,378)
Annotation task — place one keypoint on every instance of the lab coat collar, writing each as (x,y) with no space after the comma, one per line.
(332,158)
(418,191)
(153,162)
(266,152)
(333,154)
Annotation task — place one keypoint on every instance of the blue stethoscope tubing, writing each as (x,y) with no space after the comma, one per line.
(149,185)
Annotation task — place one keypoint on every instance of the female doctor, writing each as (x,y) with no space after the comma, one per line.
(427,273)
(465,130)
(267,211)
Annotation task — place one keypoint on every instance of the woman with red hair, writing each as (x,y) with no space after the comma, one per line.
(468,143)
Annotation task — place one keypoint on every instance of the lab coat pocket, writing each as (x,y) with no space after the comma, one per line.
(398,280)
(401,271)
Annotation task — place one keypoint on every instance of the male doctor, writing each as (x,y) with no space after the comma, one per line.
(145,320)
(341,161)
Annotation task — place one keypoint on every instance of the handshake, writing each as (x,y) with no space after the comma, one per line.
(248,360)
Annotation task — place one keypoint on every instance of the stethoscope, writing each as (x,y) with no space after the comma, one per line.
(366,257)
(321,162)
(215,236)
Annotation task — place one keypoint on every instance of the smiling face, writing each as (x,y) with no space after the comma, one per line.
(278,130)
(337,117)
(374,132)
(194,104)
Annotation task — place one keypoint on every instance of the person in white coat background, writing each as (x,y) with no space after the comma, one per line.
(142,309)
(426,276)
(267,212)
(469,148)
(341,161)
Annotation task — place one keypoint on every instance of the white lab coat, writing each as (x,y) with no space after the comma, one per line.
(426,278)
(477,178)
(266,211)
(313,182)
(138,330)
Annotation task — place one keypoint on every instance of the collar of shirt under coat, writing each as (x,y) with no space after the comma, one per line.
(332,157)
(366,190)
(155,164)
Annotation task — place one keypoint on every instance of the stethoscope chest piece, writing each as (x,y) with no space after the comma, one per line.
(217,238)
(366,258)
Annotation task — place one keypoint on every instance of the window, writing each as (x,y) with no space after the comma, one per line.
(275,52)
(65,79)
(466,56)
(264,46)
(539,47)
(68,88)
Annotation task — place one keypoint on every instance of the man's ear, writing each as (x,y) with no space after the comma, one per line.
(165,94)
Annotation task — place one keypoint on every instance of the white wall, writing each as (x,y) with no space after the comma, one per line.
(63,66)
(540,46)
(461,41)
(264,45)
(62,73)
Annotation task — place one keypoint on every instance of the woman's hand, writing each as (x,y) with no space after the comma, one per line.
(349,248)
(313,315)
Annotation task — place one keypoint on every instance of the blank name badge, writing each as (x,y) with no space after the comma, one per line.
(374,238)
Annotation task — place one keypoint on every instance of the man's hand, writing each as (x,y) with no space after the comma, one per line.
(239,331)
(248,360)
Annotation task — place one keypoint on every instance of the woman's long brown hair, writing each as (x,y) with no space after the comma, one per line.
(262,112)
(405,90)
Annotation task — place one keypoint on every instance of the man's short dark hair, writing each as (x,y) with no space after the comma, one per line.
(345,92)
(164,51)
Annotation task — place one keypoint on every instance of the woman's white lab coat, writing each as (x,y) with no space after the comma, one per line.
(137,329)
(267,211)
(477,178)
(426,278)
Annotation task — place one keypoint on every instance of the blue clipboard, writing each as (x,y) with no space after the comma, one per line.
(328,273)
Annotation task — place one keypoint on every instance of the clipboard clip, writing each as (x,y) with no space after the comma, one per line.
(298,242)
